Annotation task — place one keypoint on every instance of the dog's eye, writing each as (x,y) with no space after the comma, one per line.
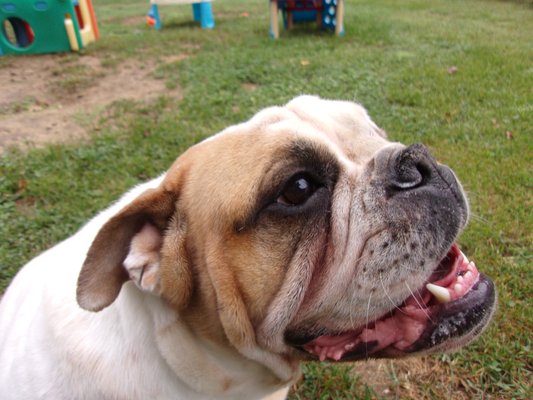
(297,190)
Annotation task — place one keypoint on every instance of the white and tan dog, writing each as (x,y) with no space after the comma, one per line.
(301,234)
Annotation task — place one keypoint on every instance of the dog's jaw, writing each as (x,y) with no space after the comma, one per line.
(421,322)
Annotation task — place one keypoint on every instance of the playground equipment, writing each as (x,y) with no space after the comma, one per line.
(201,10)
(46,26)
(328,14)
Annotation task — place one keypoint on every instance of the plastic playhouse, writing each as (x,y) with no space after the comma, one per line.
(46,26)
(201,10)
(328,14)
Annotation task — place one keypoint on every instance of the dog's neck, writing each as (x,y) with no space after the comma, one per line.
(207,364)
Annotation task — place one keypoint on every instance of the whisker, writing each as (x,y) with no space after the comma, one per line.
(422,306)
(387,294)
(366,324)
(352,323)
(480,218)
(414,270)
(352,307)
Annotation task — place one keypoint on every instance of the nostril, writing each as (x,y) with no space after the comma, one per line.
(411,168)
(407,178)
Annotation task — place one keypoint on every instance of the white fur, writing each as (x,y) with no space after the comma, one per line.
(52,349)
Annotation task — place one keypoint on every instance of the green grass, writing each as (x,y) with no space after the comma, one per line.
(395,59)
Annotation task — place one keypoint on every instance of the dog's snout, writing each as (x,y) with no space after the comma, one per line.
(411,168)
(410,177)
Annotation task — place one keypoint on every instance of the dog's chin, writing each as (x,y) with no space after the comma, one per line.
(451,309)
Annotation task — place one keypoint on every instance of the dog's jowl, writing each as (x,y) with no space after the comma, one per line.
(301,234)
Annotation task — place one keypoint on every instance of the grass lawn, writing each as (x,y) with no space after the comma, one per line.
(455,75)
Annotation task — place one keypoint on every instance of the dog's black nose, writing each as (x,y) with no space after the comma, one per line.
(411,168)
(412,180)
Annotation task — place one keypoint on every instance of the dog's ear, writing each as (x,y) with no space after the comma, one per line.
(133,236)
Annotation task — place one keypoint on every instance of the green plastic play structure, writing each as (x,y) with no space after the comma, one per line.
(40,26)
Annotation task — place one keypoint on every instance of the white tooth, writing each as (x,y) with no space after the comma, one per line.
(440,293)
(458,288)
(468,274)
(464,256)
(460,279)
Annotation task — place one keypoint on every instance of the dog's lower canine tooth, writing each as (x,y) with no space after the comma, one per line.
(458,288)
(440,293)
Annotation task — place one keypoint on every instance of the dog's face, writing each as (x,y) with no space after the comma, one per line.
(305,234)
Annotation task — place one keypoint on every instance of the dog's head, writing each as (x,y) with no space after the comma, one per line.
(305,234)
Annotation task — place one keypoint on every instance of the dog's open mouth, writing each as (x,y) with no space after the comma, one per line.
(451,309)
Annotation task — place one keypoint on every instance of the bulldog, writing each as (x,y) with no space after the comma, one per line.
(302,234)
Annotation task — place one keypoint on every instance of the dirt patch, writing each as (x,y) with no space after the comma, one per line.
(133,20)
(51,98)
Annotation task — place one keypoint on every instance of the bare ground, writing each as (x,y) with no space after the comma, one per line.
(45,99)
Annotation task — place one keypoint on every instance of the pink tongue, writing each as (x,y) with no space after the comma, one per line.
(407,323)
(401,330)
